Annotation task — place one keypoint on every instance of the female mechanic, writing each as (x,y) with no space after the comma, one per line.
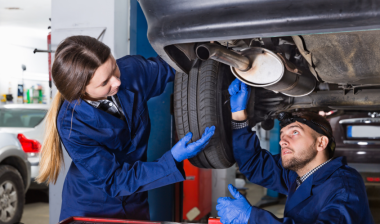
(100,115)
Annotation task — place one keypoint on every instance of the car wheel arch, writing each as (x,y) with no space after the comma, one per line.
(16,158)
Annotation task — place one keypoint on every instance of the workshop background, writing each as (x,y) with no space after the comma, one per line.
(24,79)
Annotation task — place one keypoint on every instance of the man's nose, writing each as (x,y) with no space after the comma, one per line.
(283,142)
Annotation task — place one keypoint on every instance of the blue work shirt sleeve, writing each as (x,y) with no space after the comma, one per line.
(102,170)
(147,76)
(259,165)
(339,210)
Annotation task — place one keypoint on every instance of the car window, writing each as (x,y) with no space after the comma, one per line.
(22,118)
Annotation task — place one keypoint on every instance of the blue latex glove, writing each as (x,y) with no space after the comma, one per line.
(182,150)
(239,92)
(234,211)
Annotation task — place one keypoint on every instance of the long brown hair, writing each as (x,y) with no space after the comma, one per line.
(76,60)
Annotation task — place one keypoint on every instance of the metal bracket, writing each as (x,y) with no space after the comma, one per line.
(102,33)
(50,51)
(355,90)
(42,51)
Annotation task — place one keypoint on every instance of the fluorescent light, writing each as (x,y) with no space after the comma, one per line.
(367,122)
(361,153)
(362,143)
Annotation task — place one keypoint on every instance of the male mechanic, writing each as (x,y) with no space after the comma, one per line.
(320,189)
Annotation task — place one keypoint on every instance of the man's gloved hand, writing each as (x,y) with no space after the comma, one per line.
(239,92)
(234,211)
(182,150)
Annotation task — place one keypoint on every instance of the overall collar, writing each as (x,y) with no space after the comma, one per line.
(126,95)
(126,98)
(90,114)
(302,179)
(296,196)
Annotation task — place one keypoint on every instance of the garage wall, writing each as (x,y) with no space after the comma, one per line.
(87,17)
(17,45)
(90,17)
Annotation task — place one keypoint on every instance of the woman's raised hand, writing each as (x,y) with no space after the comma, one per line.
(182,150)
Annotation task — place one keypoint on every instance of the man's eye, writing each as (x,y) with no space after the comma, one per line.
(104,83)
(295,132)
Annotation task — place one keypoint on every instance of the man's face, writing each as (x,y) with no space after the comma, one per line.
(298,146)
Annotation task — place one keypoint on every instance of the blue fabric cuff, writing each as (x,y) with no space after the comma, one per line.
(253,215)
(242,131)
(173,166)
(259,215)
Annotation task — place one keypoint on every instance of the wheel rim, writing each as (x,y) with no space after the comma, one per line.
(8,201)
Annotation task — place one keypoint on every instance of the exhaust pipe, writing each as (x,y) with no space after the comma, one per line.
(223,55)
(260,67)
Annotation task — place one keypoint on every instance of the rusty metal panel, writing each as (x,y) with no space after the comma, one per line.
(347,58)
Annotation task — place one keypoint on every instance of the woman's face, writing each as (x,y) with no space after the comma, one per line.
(105,82)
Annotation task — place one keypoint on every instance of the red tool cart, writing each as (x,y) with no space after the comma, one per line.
(87,220)
(196,192)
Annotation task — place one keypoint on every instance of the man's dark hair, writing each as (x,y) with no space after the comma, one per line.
(323,124)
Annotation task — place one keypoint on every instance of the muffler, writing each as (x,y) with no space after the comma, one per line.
(260,67)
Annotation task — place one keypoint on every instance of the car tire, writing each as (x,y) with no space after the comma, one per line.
(12,196)
(200,102)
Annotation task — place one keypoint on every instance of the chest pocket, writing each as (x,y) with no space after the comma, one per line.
(307,211)
(122,138)
(115,138)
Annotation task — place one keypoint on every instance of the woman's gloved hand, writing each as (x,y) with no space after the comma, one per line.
(234,211)
(182,150)
(239,92)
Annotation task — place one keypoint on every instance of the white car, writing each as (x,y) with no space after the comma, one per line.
(27,122)
(14,178)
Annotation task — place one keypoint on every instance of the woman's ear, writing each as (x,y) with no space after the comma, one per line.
(84,95)
(322,143)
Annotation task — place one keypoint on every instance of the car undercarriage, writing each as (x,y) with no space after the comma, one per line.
(294,55)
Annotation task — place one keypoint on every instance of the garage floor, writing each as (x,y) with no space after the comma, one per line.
(37,205)
(254,195)
(36,210)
